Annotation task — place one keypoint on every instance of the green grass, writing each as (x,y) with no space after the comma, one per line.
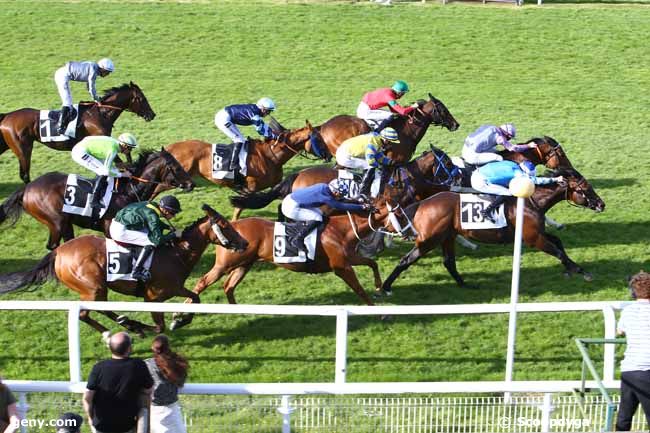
(575,72)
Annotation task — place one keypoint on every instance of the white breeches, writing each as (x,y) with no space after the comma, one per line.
(368,114)
(63,86)
(344,159)
(290,209)
(480,183)
(88,161)
(472,157)
(120,233)
(223,122)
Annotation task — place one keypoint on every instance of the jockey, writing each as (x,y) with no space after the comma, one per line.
(480,146)
(97,153)
(244,114)
(494,178)
(140,224)
(303,205)
(78,71)
(369,108)
(367,152)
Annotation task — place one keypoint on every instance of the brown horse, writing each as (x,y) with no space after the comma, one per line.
(44,197)
(80,264)
(19,129)
(265,158)
(410,128)
(437,221)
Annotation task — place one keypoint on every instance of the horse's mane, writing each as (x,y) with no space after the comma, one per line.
(566,172)
(143,159)
(113,90)
(193,225)
(545,140)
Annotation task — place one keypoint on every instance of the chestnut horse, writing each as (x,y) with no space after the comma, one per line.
(265,158)
(80,264)
(437,221)
(19,129)
(410,128)
(44,197)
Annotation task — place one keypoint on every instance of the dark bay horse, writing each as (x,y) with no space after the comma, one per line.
(80,264)
(437,221)
(411,128)
(19,129)
(44,197)
(265,158)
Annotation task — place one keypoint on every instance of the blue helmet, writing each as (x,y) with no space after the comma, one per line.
(528,168)
(339,187)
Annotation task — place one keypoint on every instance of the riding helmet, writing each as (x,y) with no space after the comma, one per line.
(389,134)
(170,204)
(339,187)
(509,129)
(266,104)
(106,64)
(128,139)
(528,167)
(400,86)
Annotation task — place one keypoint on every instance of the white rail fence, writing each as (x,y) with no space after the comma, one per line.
(339,386)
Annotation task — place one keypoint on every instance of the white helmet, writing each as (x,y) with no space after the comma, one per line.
(266,104)
(106,64)
(509,129)
(337,186)
(128,139)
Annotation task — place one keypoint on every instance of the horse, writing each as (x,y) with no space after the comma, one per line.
(336,251)
(437,222)
(44,197)
(410,128)
(81,265)
(265,159)
(19,129)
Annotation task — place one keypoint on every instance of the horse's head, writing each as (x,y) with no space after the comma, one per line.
(162,169)
(306,138)
(435,112)
(436,167)
(222,232)
(174,174)
(551,154)
(129,97)
(580,192)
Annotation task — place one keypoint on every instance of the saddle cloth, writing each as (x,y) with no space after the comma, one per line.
(353,179)
(78,196)
(120,260)
(470,217)
(48,124)
(284,252)
(221,154)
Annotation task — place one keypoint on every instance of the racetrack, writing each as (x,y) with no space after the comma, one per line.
(575,72)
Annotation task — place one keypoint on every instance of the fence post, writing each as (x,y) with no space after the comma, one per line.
(609,351)
(547,409)
(285,409)
(22,409)
(74,350)
(341,345)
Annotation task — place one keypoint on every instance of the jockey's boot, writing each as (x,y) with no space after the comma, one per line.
(98,191)
(487,213)
(384,123)
(298,241)
(139,272)
(234,158)
(64,119)
(366,183)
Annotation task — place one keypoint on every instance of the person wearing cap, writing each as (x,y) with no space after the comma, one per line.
(141,224)
(78,71)
(367,152)
(69,422)
(304,205)
(229,117)
(481,146)
(494,178)
(97,153)
(370,107)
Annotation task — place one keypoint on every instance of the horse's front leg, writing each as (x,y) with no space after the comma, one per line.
(552,245)
(180,319)
(360,260)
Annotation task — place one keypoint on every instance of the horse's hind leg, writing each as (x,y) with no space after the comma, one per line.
(180,319)
(347,274)
(449,259)
(235,277)
(360,260)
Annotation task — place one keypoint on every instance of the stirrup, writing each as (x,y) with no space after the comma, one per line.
(141,275)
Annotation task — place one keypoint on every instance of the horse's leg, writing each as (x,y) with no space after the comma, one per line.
(236,213)
(348,275)
(404,263)
(22,148)
(179,319)
(466,243)
(449,259)
(129,324)
(84,315)
(360,260)
(552,245)
(234,278)
(552,223)
(26,161)
(207,280)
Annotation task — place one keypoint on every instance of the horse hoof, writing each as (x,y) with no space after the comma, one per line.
(561,227)
(177,324)
(588,277)
(386,318)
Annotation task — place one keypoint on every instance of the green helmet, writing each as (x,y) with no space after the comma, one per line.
(400,86)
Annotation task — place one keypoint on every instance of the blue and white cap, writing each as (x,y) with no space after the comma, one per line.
(339,187)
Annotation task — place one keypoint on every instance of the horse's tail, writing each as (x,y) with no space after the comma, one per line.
(12,207)
(42,272)
(258,200)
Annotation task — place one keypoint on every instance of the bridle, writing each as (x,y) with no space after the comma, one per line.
(279,142)
(555,152)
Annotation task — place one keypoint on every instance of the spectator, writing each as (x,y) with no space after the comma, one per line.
(8,412)
(116,389)
(635,366)
(69,423)
(168,371)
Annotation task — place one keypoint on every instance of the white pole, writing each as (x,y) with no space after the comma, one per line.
(73,342)
(22,409)
(341,345)
(514,293)
(285,409)
(547,408)
(609,351)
